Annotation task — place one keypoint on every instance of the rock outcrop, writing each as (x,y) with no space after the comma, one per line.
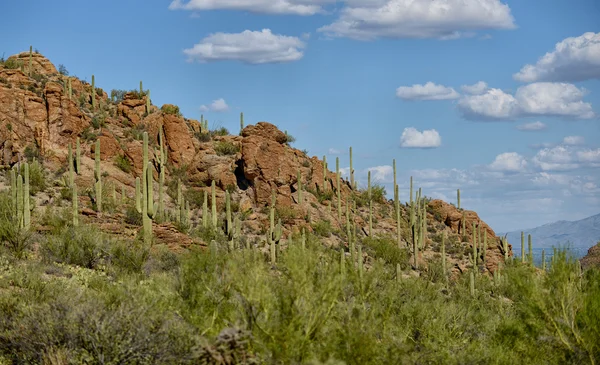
(39,117)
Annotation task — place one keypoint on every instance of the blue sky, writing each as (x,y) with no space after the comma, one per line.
(498,98)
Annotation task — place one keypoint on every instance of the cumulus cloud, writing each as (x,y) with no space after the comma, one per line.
(573,140)
(573,59)
(449,19)
(296,7)
(429,91)
(589,155)
(218,105)
(537,99)
(533,126)
(559,158)
(252,47)
(494,104)
(381,174)
(333,151)
(477,88)
(509,162)
(412,138)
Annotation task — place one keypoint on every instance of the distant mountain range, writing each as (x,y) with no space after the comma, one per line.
(581,235)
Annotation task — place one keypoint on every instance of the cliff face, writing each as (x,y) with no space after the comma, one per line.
(42,112)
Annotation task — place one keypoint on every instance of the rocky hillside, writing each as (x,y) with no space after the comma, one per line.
(43,111)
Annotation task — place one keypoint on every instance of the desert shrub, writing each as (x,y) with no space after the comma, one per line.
(82,246)
(202,137)
(195,197)
(37,177)
(123,163)
(221,131)
(170,109)
(18,240)
(387,249)
(99,121)
(132,216)
(226,148)
(88,135)
(129,256)
(287,214)
(322,228)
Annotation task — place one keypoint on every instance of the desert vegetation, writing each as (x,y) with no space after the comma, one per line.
(141,257)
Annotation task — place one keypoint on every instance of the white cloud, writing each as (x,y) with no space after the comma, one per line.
(381,173)
(537,99)
(556,99)
(333,151)
(589,155)
(533,126)
(449,19)
(412,138)
(429,91)
(253,47)
(218,105)
(559,158)
(296,7)
(509,162)
(573,140)
(478,88)
(573,59)
(494,104)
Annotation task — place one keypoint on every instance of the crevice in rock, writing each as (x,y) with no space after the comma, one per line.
(242,182)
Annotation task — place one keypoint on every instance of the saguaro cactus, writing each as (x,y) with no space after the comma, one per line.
(30,70)
(370,204)
(93,93)
(339,198)
(98,177)
(241,122)
(324,173)
(75,206)
(299,178)
(71,167)
(26,206)
(458,198)
(213,204)
(147,193)
(78,158)
(351,170)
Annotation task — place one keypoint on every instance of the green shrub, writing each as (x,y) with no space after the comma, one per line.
(388,250)
(123,163)
(170,109)
(226,148)
(322,228)
(82,246)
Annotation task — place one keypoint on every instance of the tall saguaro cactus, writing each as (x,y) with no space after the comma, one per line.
(147,193)
(98,177)
(351,171)
(339,197)
(241,122)
(30,61)
(93,93)
(370,204)
(458,198)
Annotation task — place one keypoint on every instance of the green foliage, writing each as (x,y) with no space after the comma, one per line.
(386,248)
(12,236)
(123,163)
(170,109)
(322,228)
(82,246)
(62,69)
(223,148)
(222,131)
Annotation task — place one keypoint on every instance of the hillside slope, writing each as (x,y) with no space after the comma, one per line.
(43,111)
